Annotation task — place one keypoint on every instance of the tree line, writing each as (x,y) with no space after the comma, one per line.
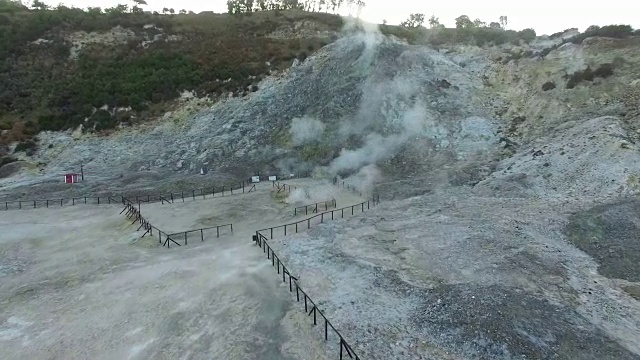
(462,22)
(249,6)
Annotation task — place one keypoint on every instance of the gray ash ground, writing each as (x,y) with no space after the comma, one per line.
(609,233)
(496,322)
(450,275)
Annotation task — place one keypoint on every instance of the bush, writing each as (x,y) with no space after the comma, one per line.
(602,71)
(549,85)
(103,120)
(610,31)
(28,146)
(528,35)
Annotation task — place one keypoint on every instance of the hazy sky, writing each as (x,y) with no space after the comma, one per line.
(545,16)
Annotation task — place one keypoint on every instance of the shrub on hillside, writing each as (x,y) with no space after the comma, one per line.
(28,146)
(602,71)
(610,31)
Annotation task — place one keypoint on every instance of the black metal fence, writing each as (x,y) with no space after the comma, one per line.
(172,197)
(304,224)
(133,212)
(314,207)
(351,188)
(165,239)
(196,234)
(261,241)
(46,203)
(282,187)
(196,194)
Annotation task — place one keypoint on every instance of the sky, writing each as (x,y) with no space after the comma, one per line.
(545,16)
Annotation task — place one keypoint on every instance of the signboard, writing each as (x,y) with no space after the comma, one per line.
(255,179)
(272,178)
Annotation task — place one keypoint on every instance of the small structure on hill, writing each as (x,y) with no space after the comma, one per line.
(72,178)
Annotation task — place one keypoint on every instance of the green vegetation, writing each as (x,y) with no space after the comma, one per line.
(609,31)
(549,85)
(602,71)
(43,87)
(250,6)
(475,32)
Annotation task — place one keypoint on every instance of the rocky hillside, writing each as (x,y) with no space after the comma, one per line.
(297,92)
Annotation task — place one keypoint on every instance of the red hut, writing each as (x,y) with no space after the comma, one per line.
(71,178)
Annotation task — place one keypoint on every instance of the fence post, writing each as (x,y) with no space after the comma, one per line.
(271,233)
(19,204)
(295,211)
(342,210)
(61,202)
(202,193)
(201,235)
(193,193)
(285,230)
(34,204)
(217,231)
(362,207)
(85,199)
(326,329)
(182,194)
(322,218)
(308,223)
(98,200)
(185,238)
(47,203)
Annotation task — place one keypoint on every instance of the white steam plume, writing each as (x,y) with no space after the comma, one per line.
(365,178)
(300,196)
(379,148)
(305,130)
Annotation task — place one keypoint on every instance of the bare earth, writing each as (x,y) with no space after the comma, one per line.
(76,283)
(452,275)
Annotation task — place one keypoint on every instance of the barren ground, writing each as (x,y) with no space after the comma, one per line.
(452,275)
(78,284)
